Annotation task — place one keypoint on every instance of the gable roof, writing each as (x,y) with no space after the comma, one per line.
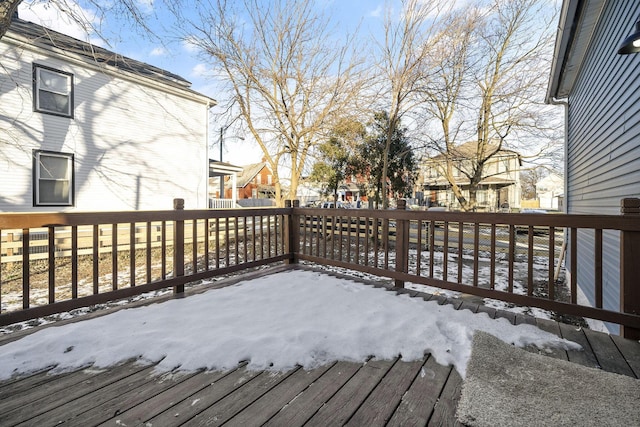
(248,173)
(65,45)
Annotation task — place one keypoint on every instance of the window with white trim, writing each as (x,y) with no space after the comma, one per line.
(53,179)
(52,91)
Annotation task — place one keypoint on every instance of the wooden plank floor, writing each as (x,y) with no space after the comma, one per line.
(375,393)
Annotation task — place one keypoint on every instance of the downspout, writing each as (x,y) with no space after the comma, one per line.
(565,103)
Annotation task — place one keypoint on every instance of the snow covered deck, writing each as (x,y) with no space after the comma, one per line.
(376,392)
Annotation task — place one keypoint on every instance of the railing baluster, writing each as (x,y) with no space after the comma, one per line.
(206,231)
(574,265)
(114,256)
(25,269)
(261,237)
(357,250)
(194,244)
(74,262)
(445,252)
(349,224)
(226,242)
(432,245)
(512,250)
(530,262)
(51,263)
(376,243)
(217,243)
(598,267)
(367,235)
(492,258)
(149,259)
(476,249)
(418,245)
(236,232)
(460,249)
(164,250)
(552,262)
(132,253)
(253,235)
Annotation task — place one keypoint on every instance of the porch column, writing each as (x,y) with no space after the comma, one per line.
(234,188)
(630,268)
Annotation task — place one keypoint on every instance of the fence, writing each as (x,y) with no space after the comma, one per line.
(457,251)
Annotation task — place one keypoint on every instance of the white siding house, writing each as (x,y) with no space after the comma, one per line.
(601,93)
(85,129)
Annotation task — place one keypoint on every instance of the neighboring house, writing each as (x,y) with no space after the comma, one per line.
(601,93)
(254,182)
(86,129)
(498,189)
(549,192)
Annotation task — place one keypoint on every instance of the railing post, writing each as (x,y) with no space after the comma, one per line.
(178,246)
(402,243)
(292,232)
(630,267)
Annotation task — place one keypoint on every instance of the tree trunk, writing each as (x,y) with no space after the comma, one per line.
(7,9)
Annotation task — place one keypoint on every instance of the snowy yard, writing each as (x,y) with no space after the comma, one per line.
(274,322)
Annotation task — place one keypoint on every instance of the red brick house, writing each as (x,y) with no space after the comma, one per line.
(254,182)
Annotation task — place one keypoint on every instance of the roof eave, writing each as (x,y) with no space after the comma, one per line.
(578,19)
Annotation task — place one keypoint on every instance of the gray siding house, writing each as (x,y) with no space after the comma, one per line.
(601,92)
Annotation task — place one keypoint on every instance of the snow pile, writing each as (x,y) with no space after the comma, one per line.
(274,322)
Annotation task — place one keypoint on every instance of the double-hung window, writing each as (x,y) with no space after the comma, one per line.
(52,91)
(53,179)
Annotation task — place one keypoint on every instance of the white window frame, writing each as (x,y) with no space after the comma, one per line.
(38,179)
(38,88)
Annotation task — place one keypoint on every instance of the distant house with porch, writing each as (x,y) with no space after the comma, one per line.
(86,129)
(498,189)
(600,91)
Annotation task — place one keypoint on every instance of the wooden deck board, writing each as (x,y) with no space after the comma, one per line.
(346,401)
(383,400)
(608,355)
(584,357)
(417,404)
(304,406)
(631,352)
(377,392)
(267,406)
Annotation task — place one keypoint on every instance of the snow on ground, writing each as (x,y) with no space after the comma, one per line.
(274,322)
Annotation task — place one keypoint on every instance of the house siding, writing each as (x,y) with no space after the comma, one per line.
(603,147)
(136,147)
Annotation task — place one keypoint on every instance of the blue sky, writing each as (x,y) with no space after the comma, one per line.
(171,53)
(174,55)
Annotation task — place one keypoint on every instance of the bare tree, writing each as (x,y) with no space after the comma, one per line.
(7,9)
(289,78)
(487,86)
(407,41)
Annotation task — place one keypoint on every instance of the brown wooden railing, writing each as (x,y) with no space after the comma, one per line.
(462,252)
(57,262)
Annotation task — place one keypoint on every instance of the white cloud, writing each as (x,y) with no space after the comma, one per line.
(158,51)
(377,12)
(190,44)
(75,21)
(200,70)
